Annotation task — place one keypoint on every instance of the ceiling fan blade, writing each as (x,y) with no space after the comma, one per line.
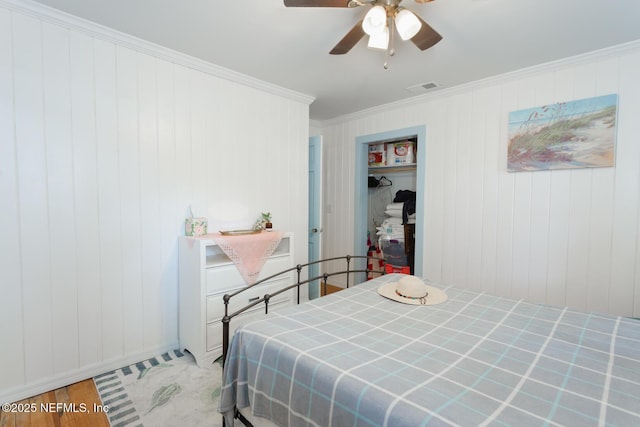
(426,37)
(316,3)
(349,40)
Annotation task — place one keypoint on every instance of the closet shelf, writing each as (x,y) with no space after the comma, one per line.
(392,168)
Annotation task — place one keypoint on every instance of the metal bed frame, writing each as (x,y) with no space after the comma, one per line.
(226,320)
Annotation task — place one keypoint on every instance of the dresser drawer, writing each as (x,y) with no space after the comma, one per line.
(227,277)
(215,303)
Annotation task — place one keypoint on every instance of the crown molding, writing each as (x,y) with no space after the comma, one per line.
(617,50)
(92,29)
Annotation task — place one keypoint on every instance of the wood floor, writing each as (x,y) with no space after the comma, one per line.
(76,405)
(330,289)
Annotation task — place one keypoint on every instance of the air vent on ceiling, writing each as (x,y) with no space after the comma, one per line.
(423,87)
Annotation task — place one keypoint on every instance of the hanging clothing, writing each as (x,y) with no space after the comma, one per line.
(407,197)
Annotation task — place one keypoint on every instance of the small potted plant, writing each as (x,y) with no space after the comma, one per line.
(266,219)
(264,222)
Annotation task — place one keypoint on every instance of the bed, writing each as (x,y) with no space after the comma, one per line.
(355,358)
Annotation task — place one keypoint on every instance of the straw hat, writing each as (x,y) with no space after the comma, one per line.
(412,290)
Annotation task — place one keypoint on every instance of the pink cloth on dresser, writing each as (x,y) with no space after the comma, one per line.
(249,252)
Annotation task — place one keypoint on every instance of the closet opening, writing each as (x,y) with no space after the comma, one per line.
(389,199)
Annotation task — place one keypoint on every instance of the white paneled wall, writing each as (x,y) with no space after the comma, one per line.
(103,147)
(564,237)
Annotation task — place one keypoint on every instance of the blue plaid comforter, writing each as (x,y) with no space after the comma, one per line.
(354,358)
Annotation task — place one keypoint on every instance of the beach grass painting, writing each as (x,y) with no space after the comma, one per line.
(565,135)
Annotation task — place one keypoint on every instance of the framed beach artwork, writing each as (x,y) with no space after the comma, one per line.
(565,135)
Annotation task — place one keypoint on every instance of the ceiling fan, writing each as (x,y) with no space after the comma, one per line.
(379,23)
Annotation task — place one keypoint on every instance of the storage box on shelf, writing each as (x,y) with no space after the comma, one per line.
(393,251)
(397,156)
(206,275)
(401,153)
(377,154)
(405,269)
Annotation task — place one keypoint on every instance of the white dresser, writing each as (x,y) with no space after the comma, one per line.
(206,275)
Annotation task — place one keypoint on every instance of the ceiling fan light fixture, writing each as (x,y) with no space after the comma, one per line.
(379,40)
(375,21)
(407,24)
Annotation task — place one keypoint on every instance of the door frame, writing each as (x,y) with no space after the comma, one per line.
(313,270)
(361,189)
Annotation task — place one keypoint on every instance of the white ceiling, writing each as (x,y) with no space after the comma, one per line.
(290,47)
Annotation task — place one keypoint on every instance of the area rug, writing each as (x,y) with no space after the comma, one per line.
(166,390)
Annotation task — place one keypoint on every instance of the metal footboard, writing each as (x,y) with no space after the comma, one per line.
(226,320)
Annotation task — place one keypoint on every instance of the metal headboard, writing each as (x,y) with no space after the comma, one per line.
(226,320)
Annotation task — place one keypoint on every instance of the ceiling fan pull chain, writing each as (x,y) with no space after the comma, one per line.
(390,49)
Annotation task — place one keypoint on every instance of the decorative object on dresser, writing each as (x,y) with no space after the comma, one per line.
(195,226)
(207,272)
(248,252)
(264,222)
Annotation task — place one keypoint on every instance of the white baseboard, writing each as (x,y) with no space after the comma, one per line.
(70,377)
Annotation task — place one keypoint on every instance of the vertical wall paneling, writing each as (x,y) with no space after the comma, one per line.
(491,135)
(625,248)
(86,198)
(11,305)
(559,212)
(103,149)
(435,172)
(33,196)
(285,158)
(59,154)
(599,262)
(236,145)
(201,91)
(182,133)
(539,243)
(130,199)
(560,187)
(540,207)
(505,190)
(169,209)
(289,159)
(563,237)
(109,202)
(520,245)
(207,127)
(506,194)
(463,246)
(449,224)
(253,155)
(475,141)
(584,77)
(603,205)
(522,203)
(578,238)
(150,194)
